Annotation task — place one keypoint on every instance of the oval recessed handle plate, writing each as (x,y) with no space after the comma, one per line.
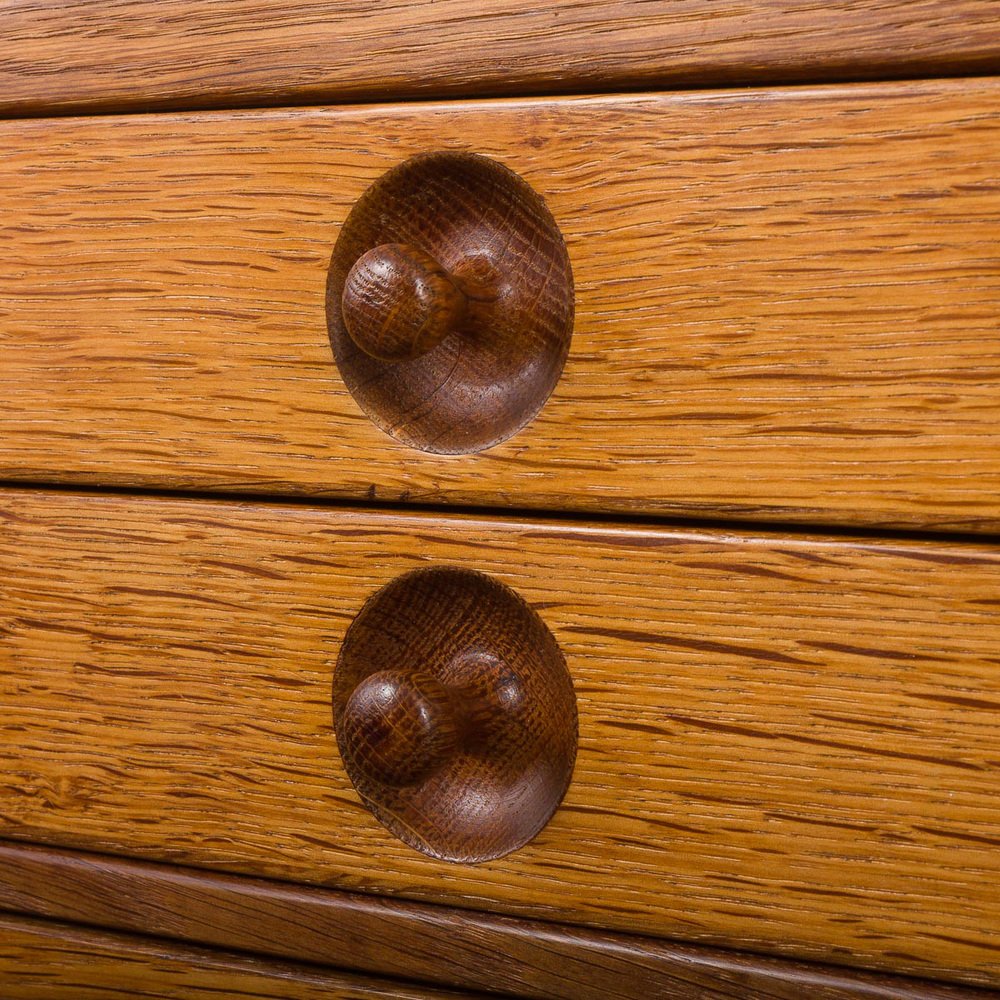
(455,714)
(450,302)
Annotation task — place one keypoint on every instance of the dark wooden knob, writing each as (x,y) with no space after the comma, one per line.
(399,303)
(464,745)
(400,727)
(449,302)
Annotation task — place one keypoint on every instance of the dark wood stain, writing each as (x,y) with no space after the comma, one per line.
(450,690)
(450,302)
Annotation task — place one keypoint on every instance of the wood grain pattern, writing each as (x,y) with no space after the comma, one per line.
(787,303)
(222,53)
(39,960)
(786,745)
(458,948)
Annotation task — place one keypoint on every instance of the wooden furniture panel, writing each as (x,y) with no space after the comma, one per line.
(786,744)
(39,960)
(160,53)
(438,944)
(787,303)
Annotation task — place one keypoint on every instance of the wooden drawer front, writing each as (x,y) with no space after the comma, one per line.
(39,960)
(786,744)
(456,948)
(786,304)
(143,53)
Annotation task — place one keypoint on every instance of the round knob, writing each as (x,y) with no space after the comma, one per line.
(399,303)
(464,747)
(452,332)
(399,728)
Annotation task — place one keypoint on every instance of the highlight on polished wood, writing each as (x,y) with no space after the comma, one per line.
(456,948)
(144,54)
(450,302)
(786,303)
(786,745)
(455,714)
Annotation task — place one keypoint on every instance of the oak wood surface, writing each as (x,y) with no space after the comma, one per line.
(40,959)
(457,948)
(222,53)
(787,303)
(786,745)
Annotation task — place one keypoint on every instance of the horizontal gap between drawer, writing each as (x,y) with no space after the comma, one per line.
(747,85)
(769,529)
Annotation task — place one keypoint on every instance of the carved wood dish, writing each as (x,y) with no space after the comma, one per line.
(455,714)
(450,302)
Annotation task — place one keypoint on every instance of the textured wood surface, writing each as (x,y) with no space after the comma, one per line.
(222,53)
(39,960)
(786,745)
(787,303)
(458,948)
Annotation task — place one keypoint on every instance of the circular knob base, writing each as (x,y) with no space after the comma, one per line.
(455,714)
(450,302)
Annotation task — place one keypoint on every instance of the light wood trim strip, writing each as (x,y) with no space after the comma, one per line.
(787,304)
(142,54)
(41,960)
(786,745)
(438,944)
